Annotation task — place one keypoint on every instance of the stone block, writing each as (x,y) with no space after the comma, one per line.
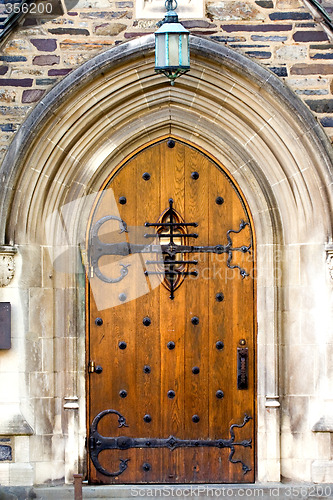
(69,31)
(13,58)
(41,312)
(300,381)
(16,45)
(268,38)
(311,92)
(16,82)
(41,384)
(327,55)
(233,11)
(265,4)
(4,474)
(44,415)
(20,474)
(322,471)
(259,54)
(59,72)
(109,29)
(310,36)
(327,121)
(105,15)
(311,69)
(32,95)
(45,81)
(290,16)
(279,71)
(22,448)
(229,28)
(46,60)
(7,95)
(44,44)
(291,53)
(289,4)
(321,105)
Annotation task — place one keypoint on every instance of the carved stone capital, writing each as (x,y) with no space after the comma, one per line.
(329,260)
(7,264)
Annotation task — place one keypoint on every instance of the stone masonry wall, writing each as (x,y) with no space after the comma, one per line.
(281,35)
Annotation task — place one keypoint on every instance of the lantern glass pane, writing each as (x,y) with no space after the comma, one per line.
(160,52)
(173,49)
(185,54)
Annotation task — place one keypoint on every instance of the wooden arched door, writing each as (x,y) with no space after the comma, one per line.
(171,323)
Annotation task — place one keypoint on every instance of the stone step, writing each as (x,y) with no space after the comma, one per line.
(266,491)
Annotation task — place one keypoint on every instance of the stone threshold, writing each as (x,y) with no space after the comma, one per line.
(265,491)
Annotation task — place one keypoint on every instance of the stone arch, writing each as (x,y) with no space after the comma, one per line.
(228,105)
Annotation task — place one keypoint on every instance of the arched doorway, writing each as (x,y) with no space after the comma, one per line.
(89,124)
(171,326)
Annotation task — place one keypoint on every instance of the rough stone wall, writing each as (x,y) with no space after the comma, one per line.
(280,34)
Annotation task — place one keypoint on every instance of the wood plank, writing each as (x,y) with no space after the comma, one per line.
(227,321)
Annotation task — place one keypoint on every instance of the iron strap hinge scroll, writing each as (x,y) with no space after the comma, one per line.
(98,443)
(98,249)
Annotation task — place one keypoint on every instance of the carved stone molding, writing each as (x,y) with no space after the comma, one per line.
(329,260)
(7,264)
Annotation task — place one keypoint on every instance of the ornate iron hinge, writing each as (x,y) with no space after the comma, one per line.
(98,443)
(170,250)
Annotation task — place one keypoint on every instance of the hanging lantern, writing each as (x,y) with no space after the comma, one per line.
(172,53)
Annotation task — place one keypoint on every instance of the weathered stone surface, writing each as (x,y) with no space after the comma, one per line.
(44,44)
(257,27)
(85,46)
(59,72)
(69,31)
(129,35)
(328,55)
(226,39)
(289,4)
(14,46)
(311,91)
(322,471)
(265,4)
(7,95)
(269,38)
(106,15)
(8,127)
(259,54)
(310,36)
(32,95)
(111,29)
(197,24)
(279,71)
(16,82)
(233,11)
(13,58)
(321,105)
(322,46)
(46,60)
(45,81)
(292,16)
(312,69)
(291,53)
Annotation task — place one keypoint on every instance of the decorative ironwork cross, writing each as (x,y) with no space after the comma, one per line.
(169,250)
